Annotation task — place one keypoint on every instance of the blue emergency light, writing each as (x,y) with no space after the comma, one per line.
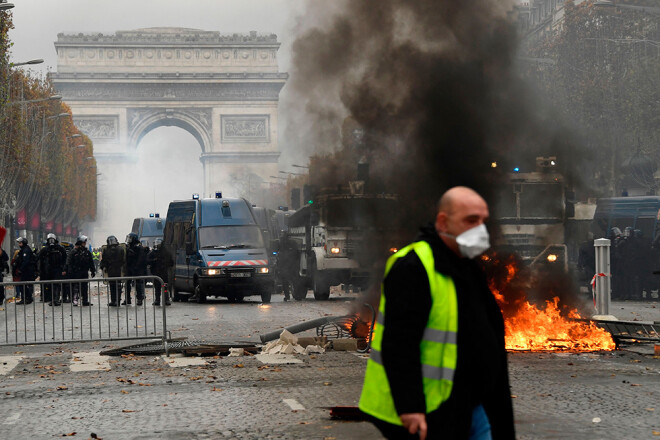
(218,194)
(195,196)
(151,215)
(157,215)
(516,169)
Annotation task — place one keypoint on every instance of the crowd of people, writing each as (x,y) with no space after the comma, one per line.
(57,262)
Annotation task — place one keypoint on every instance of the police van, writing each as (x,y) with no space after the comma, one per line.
(218,250)
(640,213)
(148,229)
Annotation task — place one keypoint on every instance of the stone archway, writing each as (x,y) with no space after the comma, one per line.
(223,89)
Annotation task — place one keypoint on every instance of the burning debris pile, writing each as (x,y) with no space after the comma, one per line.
(546,322)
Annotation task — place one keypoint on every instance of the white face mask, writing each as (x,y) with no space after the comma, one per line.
(472,242)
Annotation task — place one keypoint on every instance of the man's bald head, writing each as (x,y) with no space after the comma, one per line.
(459,209)
(458,195)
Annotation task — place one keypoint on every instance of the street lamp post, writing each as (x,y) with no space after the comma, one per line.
(26,63)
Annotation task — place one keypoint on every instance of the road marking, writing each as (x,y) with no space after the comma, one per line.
(277,359)
(89,361)
(8,363)
(178,360)
(294,404)
(12,419)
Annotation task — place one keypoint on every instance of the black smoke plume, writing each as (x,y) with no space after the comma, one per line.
(434,86)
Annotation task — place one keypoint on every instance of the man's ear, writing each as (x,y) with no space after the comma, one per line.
(441,222)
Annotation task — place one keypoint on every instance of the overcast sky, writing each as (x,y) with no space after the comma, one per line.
(37,22)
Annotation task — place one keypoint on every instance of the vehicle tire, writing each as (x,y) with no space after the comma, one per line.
(321,286)
(299,289)
(199,296)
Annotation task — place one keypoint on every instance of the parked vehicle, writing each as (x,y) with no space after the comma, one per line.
(218,250)
(148,229)
(335,239)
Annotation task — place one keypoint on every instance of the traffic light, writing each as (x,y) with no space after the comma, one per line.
(308,194)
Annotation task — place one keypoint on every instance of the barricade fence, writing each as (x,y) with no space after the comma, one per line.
(82,310)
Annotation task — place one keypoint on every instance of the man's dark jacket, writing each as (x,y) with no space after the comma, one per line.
(113,260)
(160,261)
(52,259)
(79,262)
(26,263)
(481,374)
(136,260)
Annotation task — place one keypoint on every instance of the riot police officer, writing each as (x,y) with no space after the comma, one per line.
(159,262)
(78,263)
(51,261)
(24,269)
(113,263)
(136,265)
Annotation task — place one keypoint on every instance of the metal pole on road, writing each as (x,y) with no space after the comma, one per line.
(603,277)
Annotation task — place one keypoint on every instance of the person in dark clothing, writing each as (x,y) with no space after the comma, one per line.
(113,264)
(136,265)
(25,267)
(51,261)
(4,269)
(159,262)
(435,293)
(79,263)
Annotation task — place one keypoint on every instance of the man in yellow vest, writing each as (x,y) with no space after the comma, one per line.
(438,366)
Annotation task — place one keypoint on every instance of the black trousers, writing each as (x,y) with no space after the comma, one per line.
(51,291)
(139,289)
(157,289)
(115,291)
(81,291)
(26,290)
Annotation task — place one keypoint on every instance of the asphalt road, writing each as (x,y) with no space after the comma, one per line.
(57,390)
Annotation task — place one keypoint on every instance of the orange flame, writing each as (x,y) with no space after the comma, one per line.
(528,327)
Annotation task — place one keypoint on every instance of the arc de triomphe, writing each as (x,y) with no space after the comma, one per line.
(223,89)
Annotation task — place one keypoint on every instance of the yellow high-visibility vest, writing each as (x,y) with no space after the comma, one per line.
(438,348)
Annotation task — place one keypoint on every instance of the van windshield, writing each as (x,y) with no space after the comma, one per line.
(229,237)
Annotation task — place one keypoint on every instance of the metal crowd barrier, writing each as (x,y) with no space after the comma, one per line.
(42,323)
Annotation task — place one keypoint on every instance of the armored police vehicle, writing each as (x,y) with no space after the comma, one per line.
(148,229)
(218,250)
(334,240)
(536,217)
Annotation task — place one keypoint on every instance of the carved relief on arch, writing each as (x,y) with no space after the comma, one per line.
(201,116)
(103,128)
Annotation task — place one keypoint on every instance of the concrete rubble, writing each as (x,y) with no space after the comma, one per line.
(288,344)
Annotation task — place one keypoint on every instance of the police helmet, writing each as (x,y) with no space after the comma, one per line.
(132,238)
(157,243)
(51,238)
(21,240)
(112,240)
